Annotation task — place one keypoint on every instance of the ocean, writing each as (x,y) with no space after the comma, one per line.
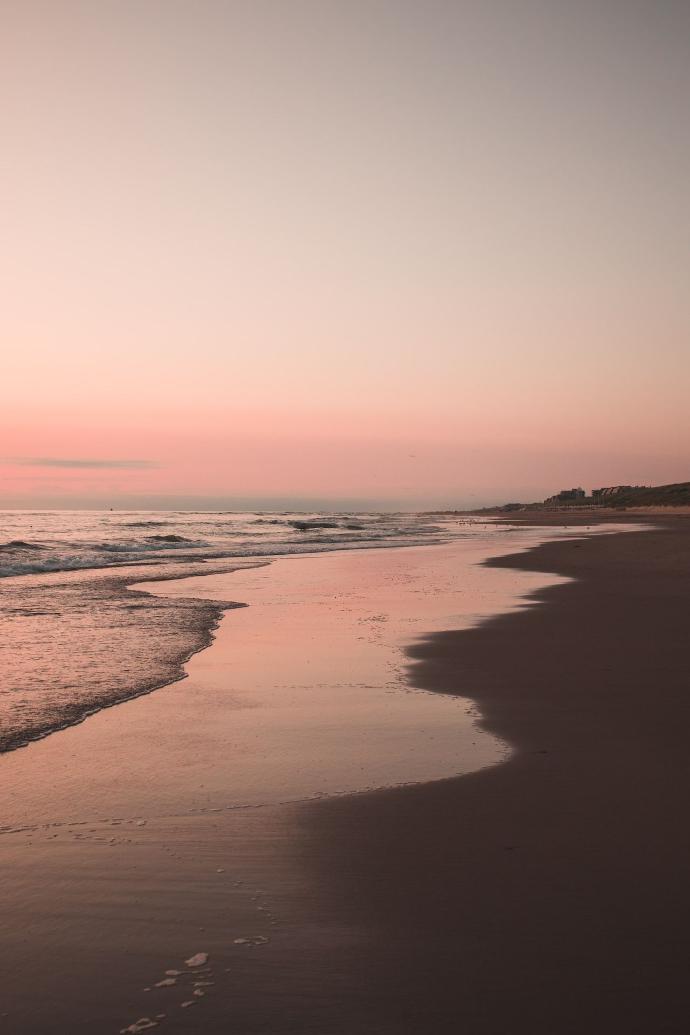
(76,637)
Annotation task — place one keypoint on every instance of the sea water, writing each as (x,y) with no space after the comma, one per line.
(76,638)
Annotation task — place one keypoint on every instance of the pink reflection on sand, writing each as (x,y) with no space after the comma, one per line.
(303,693)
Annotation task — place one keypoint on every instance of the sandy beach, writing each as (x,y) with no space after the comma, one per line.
(344,517)
(542,892)
(549,894)
(162,827)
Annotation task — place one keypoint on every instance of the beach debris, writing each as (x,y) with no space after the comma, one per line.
(200,984)
(173,973)
(240,941)
(198,960)
(188,1002)
(143,1024)
(199,992)
(220,870)
(258,939)
(166,982)
(141,822)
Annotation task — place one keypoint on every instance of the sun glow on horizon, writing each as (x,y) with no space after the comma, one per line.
(407,253)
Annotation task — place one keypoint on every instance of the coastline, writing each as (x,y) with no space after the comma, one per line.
(73,584)
(440,905)
(548,894)
(170,826)
(202,621)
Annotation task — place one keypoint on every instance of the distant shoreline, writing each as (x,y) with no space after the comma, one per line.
(533,514)
(657,499)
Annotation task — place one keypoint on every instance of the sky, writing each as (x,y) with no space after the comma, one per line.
(382,252)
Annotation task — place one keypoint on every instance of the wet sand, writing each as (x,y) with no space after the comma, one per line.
(303,693)
(550,894)
(158,829)
(545,894)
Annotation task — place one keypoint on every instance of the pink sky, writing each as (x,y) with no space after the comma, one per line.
(408,254)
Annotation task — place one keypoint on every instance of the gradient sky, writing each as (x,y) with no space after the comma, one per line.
(407,253)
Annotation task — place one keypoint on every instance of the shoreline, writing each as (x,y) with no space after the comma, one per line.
(129,580)
(465,903)
(318,648)
(82,710)
(547,895)
(124,853)
(69,587)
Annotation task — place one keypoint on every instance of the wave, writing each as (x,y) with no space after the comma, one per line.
(111,555)
(151,542)
(19,545)
(169,539)
(306,526)
(216,537)
(51,565)
(78,677)
(145,524)
(132,641)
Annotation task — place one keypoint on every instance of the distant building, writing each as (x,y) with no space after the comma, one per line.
(566,496)
(610,490)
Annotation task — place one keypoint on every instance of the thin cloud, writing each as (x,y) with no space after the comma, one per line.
(55,461)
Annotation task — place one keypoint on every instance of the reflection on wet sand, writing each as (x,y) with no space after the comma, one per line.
(137,842)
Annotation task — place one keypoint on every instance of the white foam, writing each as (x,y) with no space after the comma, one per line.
(198,960)
(143,1024)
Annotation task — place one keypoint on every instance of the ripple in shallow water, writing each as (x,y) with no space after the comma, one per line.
(78,640)
(84,642)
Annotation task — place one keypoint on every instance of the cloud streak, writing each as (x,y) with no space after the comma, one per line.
(80,464)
